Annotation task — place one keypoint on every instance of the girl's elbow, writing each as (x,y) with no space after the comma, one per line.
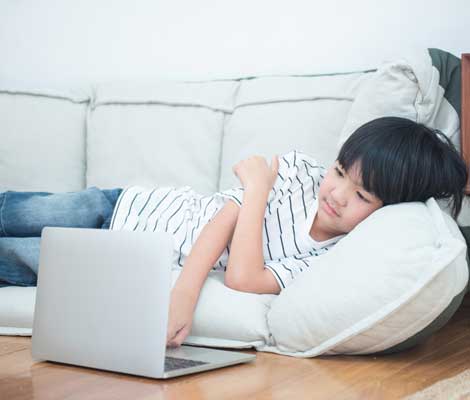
(232,282)
(236,283)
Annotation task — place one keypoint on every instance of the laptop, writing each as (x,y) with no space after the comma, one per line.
(102,301)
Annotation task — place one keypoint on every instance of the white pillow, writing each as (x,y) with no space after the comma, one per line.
(228,318)
(16,310)
(246,327)
(391,91)
(387,280)
(411,88)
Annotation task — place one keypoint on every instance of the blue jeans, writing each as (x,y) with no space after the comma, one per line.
(24,214)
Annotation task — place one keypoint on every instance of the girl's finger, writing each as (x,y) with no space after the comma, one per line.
(173,329)
(170,335)
(169,332)
(180,336)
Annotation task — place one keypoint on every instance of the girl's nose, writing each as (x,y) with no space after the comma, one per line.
(339,197)
(337,204)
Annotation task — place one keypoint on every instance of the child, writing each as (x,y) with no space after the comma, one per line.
(386,161)
(269,231)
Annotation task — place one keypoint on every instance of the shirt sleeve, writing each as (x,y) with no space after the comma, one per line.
(235,194)
(286,171)
(287,269)
(297,171)
(295,168)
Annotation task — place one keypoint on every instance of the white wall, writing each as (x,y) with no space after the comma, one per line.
(88,41)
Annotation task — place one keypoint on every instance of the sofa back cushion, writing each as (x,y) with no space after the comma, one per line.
(42,140)
(163,134)
(278,114)
(167,133)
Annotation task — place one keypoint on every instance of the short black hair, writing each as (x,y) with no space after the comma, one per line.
(401,161)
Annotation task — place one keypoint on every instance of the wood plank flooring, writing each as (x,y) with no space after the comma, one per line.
(271,376)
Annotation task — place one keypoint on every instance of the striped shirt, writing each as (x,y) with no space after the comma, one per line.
(292,204)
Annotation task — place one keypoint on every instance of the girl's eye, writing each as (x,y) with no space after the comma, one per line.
(358,193)
(362,197)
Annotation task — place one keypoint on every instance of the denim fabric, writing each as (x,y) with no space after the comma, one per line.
(23,215)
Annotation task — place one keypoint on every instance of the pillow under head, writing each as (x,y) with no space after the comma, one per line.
(383,283)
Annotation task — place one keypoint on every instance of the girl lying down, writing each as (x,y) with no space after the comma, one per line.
(264,234)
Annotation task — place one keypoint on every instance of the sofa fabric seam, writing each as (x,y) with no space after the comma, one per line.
(221,149)
(222,140)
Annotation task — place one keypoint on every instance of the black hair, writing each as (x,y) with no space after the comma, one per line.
(401,161)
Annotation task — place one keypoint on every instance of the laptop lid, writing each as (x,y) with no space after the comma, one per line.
(102,299)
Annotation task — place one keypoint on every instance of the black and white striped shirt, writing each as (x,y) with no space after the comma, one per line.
(292,204)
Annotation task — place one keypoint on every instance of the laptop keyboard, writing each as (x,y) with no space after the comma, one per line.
(172,363)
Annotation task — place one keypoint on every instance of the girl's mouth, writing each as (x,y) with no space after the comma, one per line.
(329,210)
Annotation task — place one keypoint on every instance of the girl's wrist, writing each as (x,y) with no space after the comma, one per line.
(186,288)
(257,188)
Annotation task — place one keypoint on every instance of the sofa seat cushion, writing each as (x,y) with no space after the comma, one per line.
(17,310)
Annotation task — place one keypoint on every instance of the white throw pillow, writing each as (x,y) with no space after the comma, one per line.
(381,284)
(391,91)
(228,318)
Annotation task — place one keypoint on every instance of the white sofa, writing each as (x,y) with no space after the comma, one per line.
(168,134)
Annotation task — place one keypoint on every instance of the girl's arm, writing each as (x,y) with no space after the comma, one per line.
(245,268)
(207,249)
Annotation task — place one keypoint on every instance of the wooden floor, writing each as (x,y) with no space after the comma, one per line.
(271,376)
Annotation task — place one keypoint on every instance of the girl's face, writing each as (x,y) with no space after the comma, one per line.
(342,202)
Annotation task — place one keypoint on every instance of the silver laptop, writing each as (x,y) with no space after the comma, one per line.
(102,301)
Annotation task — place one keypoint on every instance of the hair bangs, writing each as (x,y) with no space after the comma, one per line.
(399,160)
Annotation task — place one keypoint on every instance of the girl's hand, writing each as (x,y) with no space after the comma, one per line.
(180,317)
(255,171)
